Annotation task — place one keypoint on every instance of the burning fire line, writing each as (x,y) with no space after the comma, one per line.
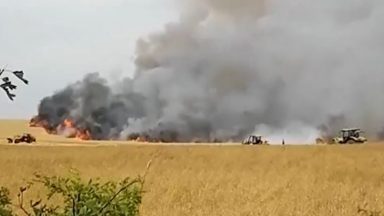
(67,128)
(70,129)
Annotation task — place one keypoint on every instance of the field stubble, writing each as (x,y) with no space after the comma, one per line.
(224,180)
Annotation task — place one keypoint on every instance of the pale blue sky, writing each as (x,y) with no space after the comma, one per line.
(57,42)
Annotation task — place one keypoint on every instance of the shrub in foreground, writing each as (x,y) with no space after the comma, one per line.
(75,197)
(5,202)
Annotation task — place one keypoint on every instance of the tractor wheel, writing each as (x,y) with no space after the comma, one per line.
(332,141)
(351,142)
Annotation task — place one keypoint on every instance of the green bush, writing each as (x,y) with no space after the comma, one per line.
(75,197)
(5,202)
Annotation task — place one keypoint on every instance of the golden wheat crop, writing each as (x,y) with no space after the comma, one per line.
(222,180)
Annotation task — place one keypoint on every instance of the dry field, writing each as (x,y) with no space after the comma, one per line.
(210,180)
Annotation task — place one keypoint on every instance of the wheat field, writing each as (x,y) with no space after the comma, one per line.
(213,180)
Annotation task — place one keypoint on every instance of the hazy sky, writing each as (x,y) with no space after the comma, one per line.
(57,42)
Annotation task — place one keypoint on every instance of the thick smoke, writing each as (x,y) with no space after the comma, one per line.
(228,68)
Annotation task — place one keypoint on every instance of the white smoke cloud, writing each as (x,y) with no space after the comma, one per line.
(294,133)
(283,61)
(284,67)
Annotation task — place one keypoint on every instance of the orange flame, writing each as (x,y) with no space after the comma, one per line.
(68,123)
(83,134)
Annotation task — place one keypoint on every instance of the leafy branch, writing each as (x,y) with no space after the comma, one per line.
(78,197)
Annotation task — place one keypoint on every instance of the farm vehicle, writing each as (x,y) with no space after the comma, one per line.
(254,140)
(26,137)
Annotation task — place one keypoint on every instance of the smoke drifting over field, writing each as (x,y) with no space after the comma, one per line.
(229,67)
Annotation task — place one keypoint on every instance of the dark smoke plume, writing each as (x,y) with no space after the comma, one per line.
(229,68)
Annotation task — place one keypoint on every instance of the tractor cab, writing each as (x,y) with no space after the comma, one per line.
(253,140)
(350,135)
